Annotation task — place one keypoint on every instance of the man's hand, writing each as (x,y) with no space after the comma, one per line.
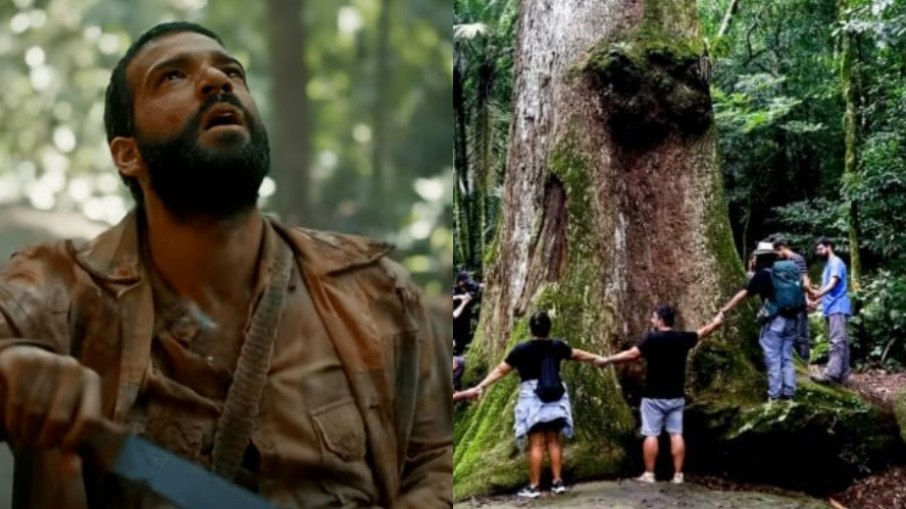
(601,362)
(811,305)
(49,401)
(471,394)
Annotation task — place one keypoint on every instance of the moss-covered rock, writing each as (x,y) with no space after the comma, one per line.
(899,410)
(818,443)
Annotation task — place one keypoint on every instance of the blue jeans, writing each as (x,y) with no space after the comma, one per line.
(777,339)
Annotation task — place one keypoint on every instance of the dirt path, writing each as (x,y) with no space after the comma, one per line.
(632,495)
(888,488)
(878,386)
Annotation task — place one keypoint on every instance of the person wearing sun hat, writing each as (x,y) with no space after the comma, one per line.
(777,283)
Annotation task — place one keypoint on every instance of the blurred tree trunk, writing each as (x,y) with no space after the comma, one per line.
(381,203)
(613,203)
(850,129)
(290,143)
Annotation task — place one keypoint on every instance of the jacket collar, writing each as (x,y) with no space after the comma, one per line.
(114,256)
(327,253)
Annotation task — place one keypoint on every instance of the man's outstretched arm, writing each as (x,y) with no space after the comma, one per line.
(630,355)
(709,329)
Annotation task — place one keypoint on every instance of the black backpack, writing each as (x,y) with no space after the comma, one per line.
(550,386)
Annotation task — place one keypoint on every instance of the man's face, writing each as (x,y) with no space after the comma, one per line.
(655,321)
(199,134)
(822,251)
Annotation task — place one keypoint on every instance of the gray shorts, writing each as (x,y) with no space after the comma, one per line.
(658,414)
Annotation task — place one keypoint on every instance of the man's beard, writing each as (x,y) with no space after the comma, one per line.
(194,181)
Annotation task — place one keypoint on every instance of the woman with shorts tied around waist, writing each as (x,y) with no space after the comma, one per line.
(538,423)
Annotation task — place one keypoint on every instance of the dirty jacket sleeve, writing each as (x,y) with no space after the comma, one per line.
(33,302)
(34,298)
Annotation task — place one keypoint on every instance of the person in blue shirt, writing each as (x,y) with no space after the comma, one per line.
(837,308)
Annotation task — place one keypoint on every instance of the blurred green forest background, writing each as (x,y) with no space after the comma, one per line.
(356,95)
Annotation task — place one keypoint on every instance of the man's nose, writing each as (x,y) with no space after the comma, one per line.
(213,82)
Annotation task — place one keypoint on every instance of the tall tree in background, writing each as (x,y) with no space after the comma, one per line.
(850,130)
(381,180)
(613,203)
(290,135)
(461,188)
(483,33)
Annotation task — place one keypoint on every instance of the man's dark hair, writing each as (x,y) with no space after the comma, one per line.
(540,324)
(780,243)
(666,313)
(119,117)
(824,241)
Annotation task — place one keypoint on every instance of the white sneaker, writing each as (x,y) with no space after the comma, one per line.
(529,492)
(678,478)
(647,477)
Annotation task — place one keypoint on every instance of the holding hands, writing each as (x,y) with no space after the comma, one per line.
(469,395)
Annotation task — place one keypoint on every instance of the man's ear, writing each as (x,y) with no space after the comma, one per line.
(126,157)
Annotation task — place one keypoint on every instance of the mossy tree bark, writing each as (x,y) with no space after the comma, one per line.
(850,129)
(613,203)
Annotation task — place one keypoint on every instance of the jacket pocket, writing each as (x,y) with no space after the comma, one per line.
(341,429)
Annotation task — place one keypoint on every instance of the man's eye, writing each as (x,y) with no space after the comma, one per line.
(173,75)
(235,73)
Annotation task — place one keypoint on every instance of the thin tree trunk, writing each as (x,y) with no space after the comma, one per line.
(850,129)
(613,203)
(460,159)
(290,134)
(728,17)
(484,133)
(382,178)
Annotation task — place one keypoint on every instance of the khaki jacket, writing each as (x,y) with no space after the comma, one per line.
(94,302)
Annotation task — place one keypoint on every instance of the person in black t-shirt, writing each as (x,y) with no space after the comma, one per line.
(541,423)
(663,400)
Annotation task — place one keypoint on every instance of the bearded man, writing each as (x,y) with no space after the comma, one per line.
(296,363)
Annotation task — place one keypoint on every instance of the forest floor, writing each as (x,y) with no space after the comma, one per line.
(633,495)
(884,490)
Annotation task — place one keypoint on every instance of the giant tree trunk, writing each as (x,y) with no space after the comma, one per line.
(613,203)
